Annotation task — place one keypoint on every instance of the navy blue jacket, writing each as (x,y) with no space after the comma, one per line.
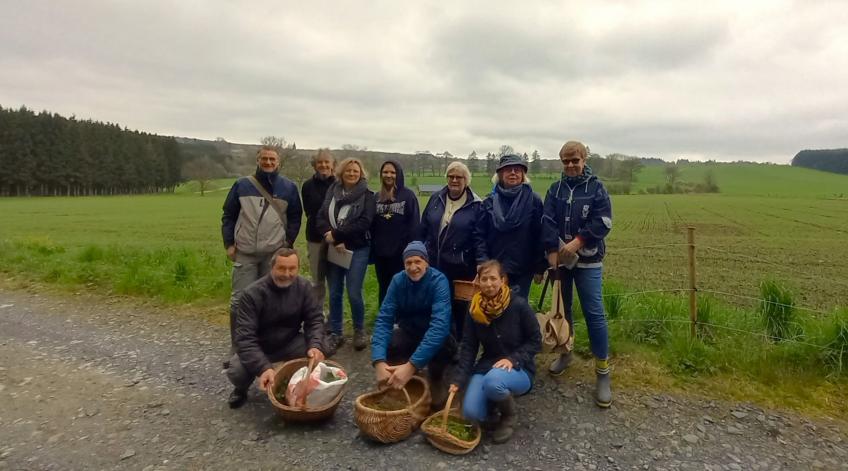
(422,309)
(578,208)
(253,226)
(519,250)
(514,335)
(460,247)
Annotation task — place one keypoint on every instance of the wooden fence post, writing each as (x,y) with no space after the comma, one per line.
(693,300)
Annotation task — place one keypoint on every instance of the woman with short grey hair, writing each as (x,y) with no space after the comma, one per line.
(449,230)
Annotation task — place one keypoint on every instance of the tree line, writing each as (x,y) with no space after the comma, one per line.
(828,160)
(47,154)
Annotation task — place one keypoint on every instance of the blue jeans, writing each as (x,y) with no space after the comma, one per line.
(588,282)
(495,385)
(354,276)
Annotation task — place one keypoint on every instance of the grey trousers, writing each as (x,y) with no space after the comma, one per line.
(246,270)
(242,379)
(318,269)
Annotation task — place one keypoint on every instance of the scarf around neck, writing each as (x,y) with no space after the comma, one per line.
(512,207)
(485,310)
(344,200)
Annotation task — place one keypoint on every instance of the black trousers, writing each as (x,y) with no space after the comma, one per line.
(386,268)
(404,344)
(242,379)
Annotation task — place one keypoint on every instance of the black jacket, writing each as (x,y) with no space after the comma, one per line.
(313,192)
(460,247)
(269,317)
(519,251)
(396,222)
(355,232)
(514,335)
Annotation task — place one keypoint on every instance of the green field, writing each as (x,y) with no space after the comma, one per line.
(769,223)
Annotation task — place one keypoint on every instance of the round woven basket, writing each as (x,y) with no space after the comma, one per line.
(296,413)
(393,425)
(435,428)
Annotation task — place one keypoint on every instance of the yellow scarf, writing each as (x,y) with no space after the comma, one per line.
(485,310)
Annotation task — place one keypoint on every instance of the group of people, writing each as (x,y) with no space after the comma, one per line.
(500,243)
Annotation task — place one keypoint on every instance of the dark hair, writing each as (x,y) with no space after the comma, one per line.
(284,252)
(491,264)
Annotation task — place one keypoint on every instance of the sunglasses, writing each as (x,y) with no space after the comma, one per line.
(574,162)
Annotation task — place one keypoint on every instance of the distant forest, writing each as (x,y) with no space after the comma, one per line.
(828,160)
(47,154)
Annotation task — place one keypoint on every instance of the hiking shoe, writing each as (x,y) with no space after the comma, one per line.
(360,340)
(237,398)
(559,365)
(503,432)
(603,392)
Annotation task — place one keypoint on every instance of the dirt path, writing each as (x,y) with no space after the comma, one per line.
(89,383)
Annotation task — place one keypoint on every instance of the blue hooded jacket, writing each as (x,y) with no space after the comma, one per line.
(421,308)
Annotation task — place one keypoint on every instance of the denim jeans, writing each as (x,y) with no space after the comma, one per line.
(495,385)
(353,277)
(588,283)
(520,284)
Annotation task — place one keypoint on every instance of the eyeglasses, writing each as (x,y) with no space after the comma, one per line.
(456,177)
(513,169)
(574,162)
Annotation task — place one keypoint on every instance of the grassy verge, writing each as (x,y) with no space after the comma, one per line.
(770,354)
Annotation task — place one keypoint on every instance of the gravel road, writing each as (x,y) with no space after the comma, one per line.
(89,382)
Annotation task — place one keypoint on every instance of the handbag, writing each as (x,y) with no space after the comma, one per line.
(557,334)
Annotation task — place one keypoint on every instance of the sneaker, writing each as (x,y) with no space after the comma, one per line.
(559,365)
(237,398)
(360,340)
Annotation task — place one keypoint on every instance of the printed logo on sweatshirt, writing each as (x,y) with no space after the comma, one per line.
(389,210)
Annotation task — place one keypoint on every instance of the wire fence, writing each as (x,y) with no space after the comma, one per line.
(736,299)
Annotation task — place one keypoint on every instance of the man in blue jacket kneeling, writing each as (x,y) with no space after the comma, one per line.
(412,330)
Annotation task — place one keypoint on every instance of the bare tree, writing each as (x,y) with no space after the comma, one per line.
(284,150)
(203,170)
(505,150)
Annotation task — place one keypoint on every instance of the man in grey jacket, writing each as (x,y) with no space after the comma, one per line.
(278,318)
(262,213)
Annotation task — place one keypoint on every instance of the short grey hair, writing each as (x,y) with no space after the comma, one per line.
(324,152)
(457,165)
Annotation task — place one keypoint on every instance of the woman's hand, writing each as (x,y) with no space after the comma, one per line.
(504,364)
(341,248)
(453,389)
(570,249)
(328,236)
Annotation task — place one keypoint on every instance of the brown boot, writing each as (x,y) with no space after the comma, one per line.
(503,432)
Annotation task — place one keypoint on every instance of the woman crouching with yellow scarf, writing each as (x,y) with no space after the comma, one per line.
(505,325)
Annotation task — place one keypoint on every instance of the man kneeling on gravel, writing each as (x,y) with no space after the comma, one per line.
(418,301)
(278,319)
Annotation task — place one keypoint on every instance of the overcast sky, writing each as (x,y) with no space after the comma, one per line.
(735,80)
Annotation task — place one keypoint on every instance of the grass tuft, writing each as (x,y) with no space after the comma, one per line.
(778,310)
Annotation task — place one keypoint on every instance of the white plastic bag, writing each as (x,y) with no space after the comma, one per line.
(322,387)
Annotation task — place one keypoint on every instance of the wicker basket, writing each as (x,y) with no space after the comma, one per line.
(463,290)
(435,428)
(300,413)
(395,425)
